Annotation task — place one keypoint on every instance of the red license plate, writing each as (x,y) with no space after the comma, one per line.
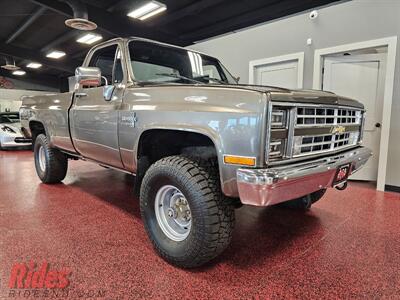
(342,173)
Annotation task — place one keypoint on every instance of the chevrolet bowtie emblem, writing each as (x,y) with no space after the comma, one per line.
(338,129)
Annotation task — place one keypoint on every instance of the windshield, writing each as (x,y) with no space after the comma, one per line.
(9,118)
(153,63)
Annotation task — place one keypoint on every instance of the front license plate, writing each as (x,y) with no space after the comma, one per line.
(342,173)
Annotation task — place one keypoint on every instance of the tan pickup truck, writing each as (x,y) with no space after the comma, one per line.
(199,143)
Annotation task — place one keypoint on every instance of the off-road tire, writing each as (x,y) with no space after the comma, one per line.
(305,202)
(213,216)
(56,162)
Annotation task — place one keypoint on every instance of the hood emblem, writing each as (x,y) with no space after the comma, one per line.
(338,129)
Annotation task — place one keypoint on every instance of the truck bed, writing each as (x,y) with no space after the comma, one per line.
(52,110)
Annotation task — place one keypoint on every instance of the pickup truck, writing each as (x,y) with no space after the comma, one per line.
(199,143)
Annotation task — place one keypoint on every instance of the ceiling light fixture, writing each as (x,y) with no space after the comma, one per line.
(55,54)
(10,64)
(80,19)
(89,38)
(34,65)
(19,72)
(148,10)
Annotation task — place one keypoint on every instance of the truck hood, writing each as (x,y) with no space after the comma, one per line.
(301,96)
(282,94)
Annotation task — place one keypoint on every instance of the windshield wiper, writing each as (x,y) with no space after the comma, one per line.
(179,77)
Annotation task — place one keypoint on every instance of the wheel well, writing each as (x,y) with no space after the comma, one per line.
(36,128)
(155,144)
(158,143)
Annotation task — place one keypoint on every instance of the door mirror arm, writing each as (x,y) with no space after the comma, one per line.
(108,91)
(105,80)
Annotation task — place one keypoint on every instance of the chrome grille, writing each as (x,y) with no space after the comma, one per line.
(314,144)
(312,129)
(316,116)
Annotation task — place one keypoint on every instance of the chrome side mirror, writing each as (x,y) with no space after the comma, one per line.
(88,76)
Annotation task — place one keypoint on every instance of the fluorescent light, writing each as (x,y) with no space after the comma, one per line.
(153,13)
(89,38)
(19,72)
(33,65)
(148,10)
(56,54)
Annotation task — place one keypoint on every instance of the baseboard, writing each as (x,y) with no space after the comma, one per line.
(392,188)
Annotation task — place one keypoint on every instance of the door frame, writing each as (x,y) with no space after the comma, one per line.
(391,44)
(298,56)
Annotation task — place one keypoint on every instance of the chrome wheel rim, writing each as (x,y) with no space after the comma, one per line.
(42,159)
(173,213)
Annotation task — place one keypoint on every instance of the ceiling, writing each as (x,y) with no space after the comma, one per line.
(30,28)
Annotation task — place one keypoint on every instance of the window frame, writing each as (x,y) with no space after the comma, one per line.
(120,47)
(129,60)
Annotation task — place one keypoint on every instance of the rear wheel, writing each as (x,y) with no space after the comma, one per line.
(51,164)
(185,214)
(305,202)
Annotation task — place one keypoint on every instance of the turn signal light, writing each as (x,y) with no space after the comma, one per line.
(239,160)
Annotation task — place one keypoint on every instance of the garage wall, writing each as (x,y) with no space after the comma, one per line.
(10,98)
(344,23)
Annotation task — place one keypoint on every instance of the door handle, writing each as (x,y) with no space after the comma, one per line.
(80,95)
(378,125)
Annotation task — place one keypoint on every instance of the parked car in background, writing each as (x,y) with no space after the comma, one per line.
(11,135)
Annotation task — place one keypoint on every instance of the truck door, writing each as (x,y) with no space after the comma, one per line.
(94,117)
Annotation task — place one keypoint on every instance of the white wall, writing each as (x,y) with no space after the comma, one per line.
(10,98)
(344,23)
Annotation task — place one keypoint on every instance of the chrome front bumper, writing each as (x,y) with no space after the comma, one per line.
(265,187)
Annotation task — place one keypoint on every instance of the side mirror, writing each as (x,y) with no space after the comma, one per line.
(237,79)
(88,76)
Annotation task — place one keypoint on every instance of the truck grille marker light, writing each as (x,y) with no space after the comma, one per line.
(278,118)
(276,149)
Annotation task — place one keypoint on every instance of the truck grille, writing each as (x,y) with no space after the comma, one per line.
(312,130)
(311,116)
(314,144)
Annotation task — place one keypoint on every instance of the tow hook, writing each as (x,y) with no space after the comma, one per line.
(342,186)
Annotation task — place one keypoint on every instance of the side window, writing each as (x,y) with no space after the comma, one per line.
(108,60)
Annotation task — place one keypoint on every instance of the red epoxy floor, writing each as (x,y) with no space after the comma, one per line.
(347,246)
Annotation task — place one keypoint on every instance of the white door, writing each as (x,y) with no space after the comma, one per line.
(280,74)
(361,77)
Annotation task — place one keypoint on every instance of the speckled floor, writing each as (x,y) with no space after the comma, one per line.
(347,246)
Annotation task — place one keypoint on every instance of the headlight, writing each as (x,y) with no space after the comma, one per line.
(276,149)
(278,118)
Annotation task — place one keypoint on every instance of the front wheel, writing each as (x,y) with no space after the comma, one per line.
(186,216)
(51,164)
